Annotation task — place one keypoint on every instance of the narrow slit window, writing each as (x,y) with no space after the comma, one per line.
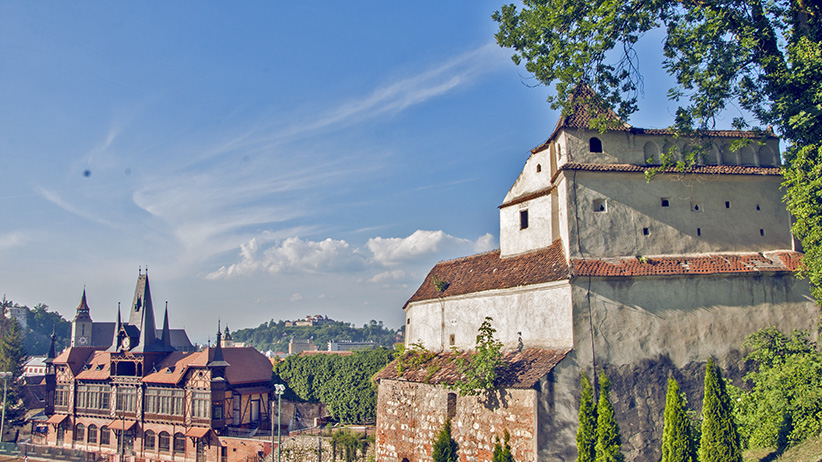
(727,204)
(451,409)
(539,168)
(699,231)
(761,232)
(646,231)
(451,340)
(523,219)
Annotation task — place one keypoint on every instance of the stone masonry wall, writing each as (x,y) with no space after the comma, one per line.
(410,416)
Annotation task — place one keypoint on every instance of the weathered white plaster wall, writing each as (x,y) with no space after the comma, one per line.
(645,328)
(696,220)
(537,235)
(541,313)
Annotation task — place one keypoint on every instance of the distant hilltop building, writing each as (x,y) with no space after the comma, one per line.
(599,269)
(19,314)
(128,387)
(315,320)
(298,345)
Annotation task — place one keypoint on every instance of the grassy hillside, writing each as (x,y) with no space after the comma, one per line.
(274,335)
(807,451)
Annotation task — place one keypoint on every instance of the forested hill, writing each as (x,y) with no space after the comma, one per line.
(274,335)
(40,324)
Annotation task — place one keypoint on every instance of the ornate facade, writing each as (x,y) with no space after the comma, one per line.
(149,393)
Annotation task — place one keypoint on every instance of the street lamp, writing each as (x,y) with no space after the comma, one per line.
(5,376)
(279,389)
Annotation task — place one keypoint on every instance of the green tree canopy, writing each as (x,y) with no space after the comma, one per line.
(677,444)
(764,55)
(784,404)
(720,438)
(342,382)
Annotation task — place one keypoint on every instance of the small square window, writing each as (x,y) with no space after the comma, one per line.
(523,219)
(600,205)
(761,232)
(727,204)
(646,231)
(665,202)
(451,340)
(696,207)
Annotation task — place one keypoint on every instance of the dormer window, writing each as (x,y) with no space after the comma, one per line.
(523,219)
(595,145)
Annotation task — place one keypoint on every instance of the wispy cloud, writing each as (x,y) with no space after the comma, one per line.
(13,239)
(56,199)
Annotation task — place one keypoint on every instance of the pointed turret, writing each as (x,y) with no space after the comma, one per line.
(142,316)
(166,331)
(217,361)
(81,325)
(83,311)
(115,341)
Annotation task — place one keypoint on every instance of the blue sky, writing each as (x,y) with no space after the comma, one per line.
(266,160)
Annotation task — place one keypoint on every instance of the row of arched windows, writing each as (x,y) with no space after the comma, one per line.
(749,155)
(151,440)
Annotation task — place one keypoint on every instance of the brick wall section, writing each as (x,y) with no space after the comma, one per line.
(410,416)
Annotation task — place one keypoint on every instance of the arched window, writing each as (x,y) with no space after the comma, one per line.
(80,433)
(165,441)
(179,443)
(92,434)
(105,436)
(595,145)
(149,440)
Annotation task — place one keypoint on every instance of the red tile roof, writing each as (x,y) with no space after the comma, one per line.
(781,261)
(75,358)
(699,169)
(99,368)
(487,271)
(246,365)
(524,368)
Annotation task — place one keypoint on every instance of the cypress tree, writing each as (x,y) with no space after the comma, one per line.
(720,438)
(587,431)
(677,445)
(608,441)
(445,448)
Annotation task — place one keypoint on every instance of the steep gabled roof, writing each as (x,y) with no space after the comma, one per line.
(487,271)
(75,358)
(523,368)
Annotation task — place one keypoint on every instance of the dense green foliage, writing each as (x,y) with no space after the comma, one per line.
(720,438)
(763,55)
(12,358)
(445,448)
(784,405)
(41,322)
(608,441)
(677,441)
(342,382)
(502,450)
(274,335)
(480,371)
(587,431)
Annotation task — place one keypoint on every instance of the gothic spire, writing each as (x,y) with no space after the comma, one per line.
(142,315)
(166,331)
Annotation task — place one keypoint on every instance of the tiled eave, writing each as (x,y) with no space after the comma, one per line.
(522,369)
(768,262)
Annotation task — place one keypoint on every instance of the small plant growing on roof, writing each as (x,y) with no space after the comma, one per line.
(481,369)
(439,284)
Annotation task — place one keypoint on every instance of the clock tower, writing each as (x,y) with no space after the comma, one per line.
(81,324)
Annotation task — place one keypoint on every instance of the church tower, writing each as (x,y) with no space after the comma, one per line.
(81,324)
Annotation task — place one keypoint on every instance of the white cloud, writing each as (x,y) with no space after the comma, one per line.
(12,239)
(381,256)
(296,297)
(395,250)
